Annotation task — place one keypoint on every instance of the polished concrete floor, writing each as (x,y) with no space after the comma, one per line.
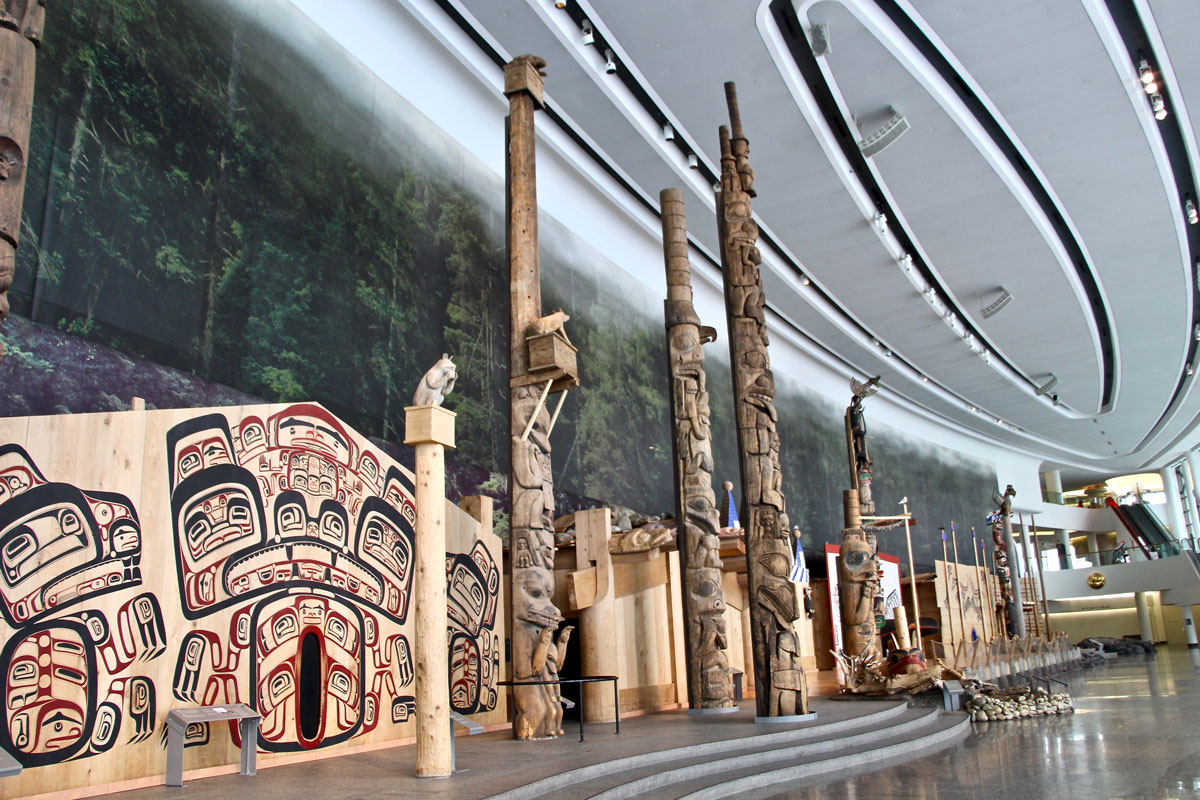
(1135,734)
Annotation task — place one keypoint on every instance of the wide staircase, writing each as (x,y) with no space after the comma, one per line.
(761,764)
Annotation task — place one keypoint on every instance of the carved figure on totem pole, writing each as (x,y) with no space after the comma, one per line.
(999,518)
(710,683)
(856,440)
(437,383)
(779,682)
(21,23)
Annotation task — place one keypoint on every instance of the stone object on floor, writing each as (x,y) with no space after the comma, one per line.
(998,705)
(1092,658)
(1125,647)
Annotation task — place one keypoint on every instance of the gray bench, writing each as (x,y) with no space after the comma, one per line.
(179,719)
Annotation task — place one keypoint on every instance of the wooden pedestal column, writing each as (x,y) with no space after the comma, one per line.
(430,429)
(597,621)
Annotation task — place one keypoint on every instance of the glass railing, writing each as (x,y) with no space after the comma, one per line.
(1125,555)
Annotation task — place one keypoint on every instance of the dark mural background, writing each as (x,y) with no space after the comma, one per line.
(219,211)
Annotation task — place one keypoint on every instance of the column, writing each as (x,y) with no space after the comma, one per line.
(1189,627)
(1143,613)
(1174,507)
(1065,551)
(597,621)
(1093,546)
(1193,463)
(430,429)
(1052,486)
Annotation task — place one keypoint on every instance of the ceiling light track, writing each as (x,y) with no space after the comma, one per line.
(926,282)
(1140,48)
(1101,314)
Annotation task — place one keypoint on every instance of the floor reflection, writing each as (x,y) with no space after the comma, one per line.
(1133,736)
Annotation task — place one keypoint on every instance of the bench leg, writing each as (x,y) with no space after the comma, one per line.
(174,756)
(249,746)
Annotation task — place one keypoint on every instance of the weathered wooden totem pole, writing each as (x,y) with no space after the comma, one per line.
(859,589)
(1010,590)
(542,361)
(710,684)
(780,688)
(21,24)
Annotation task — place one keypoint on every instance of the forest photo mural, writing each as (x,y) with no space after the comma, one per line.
(224,207)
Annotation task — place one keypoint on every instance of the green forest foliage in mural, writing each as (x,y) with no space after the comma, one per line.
(207,193)
(250,207)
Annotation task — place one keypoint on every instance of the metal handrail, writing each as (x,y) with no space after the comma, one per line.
(584,679)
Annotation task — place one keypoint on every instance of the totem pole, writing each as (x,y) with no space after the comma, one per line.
(778,677)
(542,361)
(856,444)
(21,24)
(710,684)
(1010,590)
(859,591)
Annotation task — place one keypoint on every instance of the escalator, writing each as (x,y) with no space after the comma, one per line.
(1146,529)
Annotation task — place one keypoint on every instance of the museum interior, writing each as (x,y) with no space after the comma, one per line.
(517,398)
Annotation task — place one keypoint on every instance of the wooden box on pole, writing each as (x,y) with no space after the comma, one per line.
(430,430)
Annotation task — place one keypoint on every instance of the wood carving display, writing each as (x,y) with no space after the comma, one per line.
(778,677)
(21,23)
(1000,519)
(278,575)
(710,683)
(859,589)
(856,444)
(862,607)
(535,656)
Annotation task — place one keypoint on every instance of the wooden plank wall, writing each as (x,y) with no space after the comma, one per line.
(155,559)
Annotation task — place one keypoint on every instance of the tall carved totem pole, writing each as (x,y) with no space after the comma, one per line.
(778,677)
(541,362)
(859,590)
(21,24)
(710,684)
(1002,538)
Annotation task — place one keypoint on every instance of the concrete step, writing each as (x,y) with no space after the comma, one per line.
(755,763)
(606,773)
(943,730)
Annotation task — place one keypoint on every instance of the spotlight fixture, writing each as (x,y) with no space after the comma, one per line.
(1190,369)
(880,220)
(668,133)
(1145,73)
(924,379)
(1196,332)
(906,262)
(804,281)
(560,4)
(589,36)
(1189,208)
(993,308)
(610,65)
(1050,383)
(1159,106)
(973,408)
(693,162)
(717,186)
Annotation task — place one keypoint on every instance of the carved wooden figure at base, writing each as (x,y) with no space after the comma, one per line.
(710,683)
(21,23)
(779,681)
(538,367)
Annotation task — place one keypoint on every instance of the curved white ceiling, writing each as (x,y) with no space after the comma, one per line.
(1032,162)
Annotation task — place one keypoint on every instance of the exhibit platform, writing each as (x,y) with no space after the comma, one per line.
(670,754)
